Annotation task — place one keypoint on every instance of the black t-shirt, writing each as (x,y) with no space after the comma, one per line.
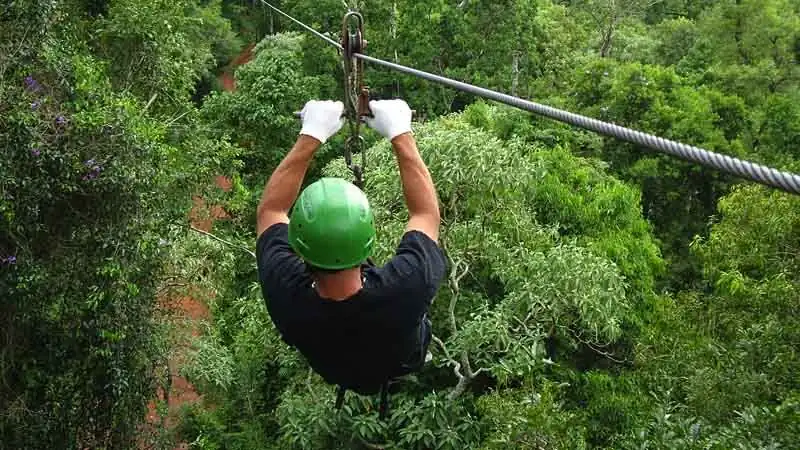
(350,342)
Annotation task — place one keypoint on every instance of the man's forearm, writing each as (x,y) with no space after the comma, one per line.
(284,185)
(418,187)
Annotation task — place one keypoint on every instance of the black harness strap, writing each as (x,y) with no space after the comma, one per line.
(340,397)
(384,408)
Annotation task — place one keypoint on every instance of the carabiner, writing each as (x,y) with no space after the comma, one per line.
(356,143)
(356,94)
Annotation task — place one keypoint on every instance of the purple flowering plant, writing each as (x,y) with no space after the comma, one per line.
(95,169)
(31,84)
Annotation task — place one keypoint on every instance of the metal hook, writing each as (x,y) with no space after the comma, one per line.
(356,143)
(356,94)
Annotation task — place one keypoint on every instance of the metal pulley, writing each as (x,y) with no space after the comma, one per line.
(355,92)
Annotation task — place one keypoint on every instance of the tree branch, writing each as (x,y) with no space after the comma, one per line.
(149,103)
(230,244)
(467,366)
(459,389)
(372,446)
(456,364)
(463,381)
(595,349)
(455,279)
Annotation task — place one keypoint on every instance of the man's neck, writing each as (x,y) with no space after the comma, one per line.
(339,286)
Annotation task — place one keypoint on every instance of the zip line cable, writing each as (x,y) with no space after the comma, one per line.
(306,27)
(786,181)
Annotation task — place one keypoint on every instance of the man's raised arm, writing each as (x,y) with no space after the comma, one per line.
(321,120)
(392,119)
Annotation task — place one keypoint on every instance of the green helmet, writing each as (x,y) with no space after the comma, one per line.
(331,226)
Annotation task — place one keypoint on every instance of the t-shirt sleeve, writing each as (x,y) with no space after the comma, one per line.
(281,272)
(416,270)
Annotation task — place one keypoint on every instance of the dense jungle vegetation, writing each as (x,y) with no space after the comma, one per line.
(600,295)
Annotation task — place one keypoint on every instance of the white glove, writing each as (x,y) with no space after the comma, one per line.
(391,118)
(321,120)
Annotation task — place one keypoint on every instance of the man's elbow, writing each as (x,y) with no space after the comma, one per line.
(426,222)
(434,212)
(267,216)
(436,217)
(262,212)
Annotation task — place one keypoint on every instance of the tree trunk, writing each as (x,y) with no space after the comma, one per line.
(515,74)
(271,23)
(606,43)
(394,44)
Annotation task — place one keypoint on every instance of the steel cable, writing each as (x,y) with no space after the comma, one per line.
(306,27)
(768,176)
(786,181)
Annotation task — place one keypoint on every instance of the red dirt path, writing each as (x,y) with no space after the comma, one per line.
(227,80)
(188,312)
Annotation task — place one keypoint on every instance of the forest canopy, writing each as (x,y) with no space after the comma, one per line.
(598,295)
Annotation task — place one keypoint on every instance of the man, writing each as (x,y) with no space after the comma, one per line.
(357,325)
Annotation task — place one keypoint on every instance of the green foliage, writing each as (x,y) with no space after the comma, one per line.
(607,16)
(751,262)
(259,116)
(677,196)
(530,420)
(509,62)
(779,131)
(612,403)
(726,361)
(676,39)
(91,191)
(753,428)
(634,43)
(158,50)
(753,217)
(551,330)
(519,286)
(579,198)
(665,10)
